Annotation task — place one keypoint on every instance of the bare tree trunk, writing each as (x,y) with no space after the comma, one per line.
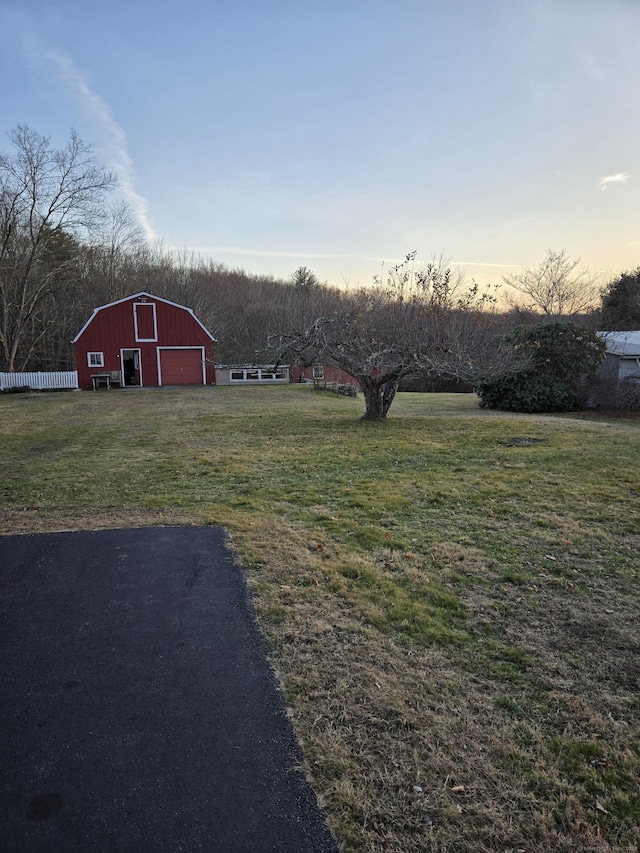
(373,403)
(377,397)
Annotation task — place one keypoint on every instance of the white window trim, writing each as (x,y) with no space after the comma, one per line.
(155,323)
(101,357)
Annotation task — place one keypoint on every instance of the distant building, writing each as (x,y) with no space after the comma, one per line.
(622,358)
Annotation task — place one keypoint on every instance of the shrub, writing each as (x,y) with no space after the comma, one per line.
(622,395)
(557,357)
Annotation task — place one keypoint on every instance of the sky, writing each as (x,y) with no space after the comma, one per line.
(342,134)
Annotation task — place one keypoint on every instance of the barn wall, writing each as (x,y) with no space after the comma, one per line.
(332,373)
(113,328)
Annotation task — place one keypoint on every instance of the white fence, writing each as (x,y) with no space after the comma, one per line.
(41,380)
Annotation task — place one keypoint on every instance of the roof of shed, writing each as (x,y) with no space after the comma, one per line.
(624,344)
(147,295)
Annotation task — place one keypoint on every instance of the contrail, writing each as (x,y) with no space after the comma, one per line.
(112,138)
(237,250)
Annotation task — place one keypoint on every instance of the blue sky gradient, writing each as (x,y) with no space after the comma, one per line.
(270,134)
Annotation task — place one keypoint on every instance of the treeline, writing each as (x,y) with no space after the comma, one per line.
(65,250)
(240,310)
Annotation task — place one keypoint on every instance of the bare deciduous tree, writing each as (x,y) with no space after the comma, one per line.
(420,323)
(555,287)
(120,239)
(45,194)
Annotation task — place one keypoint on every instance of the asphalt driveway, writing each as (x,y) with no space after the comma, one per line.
(138,710)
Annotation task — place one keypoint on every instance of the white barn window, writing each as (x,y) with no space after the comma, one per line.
(96,359)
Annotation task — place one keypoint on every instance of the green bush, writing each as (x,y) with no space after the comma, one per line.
(558,356)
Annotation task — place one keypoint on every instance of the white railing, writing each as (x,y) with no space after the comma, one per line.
(40,380)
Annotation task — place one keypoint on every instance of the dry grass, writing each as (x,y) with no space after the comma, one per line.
(416,748)
(453,612)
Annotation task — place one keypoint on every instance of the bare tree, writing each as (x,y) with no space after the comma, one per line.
(420,323)
(45,193)
(555,287)
(119,240)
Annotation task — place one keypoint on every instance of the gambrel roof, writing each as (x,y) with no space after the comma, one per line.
(143,294)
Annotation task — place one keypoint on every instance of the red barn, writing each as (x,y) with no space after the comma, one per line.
(144,340)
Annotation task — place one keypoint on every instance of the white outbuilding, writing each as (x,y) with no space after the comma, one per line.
(622,359)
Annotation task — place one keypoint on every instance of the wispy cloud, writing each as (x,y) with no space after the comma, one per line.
(618,178)
(485,264)
(261,253)
(238,250)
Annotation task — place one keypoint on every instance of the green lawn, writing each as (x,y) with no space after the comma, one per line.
(450,597)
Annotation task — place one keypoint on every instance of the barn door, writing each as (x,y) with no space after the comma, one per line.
(182,366)
(131,372)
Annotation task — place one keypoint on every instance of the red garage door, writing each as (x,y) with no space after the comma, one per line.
(181,367)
